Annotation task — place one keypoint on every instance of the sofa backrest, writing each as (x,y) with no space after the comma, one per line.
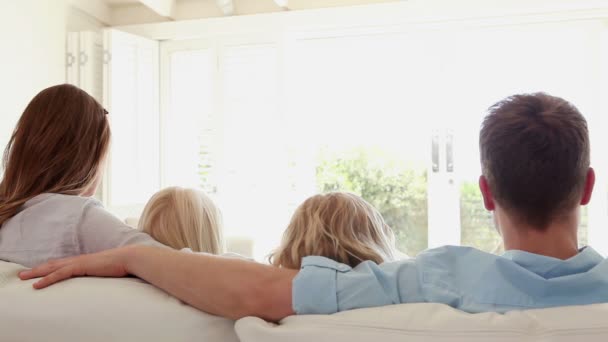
(128,309)
(434,323)
(94,309)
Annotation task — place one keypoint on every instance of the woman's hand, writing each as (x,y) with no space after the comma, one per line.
(110,263)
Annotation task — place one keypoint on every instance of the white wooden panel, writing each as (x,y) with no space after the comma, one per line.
(132,88)
(71,58)
(90,63)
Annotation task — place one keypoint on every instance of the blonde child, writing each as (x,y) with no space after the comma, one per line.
(184,218)
(337,225)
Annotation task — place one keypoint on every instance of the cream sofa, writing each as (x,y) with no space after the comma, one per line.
(100,309)
(94,309)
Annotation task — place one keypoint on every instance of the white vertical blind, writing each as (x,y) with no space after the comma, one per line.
(222,132)
(253,175)
(133,103)
(190,129)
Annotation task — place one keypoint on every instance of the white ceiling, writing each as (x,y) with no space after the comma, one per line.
(121,2)
(294,3)
(128,12)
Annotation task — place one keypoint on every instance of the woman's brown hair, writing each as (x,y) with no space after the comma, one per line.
(57,146)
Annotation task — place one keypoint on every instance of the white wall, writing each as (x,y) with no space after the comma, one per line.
(32,33)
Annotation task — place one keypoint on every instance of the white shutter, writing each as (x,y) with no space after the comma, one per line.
(222,131)
(71,58)
(190,117)
(90,63)
(131,95)
(254,163)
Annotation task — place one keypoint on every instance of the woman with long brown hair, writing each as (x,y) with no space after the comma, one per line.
(53,164)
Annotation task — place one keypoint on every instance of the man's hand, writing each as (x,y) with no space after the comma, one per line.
(110,263)
(221,286)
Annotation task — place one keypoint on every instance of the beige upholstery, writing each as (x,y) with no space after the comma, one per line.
(97,309)
(94,309)
(434,323)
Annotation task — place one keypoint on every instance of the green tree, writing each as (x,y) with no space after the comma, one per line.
(396,189)
(476,223)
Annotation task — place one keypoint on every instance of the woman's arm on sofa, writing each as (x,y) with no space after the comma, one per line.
(222,286)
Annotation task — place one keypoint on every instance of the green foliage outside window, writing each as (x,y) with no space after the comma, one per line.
(398,191)
(476,223)
(477,227)
(395,188)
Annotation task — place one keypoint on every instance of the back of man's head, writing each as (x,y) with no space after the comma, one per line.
(535,156)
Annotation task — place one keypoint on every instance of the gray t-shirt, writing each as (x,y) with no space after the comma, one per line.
(52,226)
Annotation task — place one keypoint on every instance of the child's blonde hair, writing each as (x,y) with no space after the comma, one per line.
(184,218)
(337,225)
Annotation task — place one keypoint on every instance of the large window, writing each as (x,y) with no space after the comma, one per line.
(261,122)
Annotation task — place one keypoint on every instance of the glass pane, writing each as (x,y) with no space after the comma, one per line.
(134,165)
(190,130)
(356,113)
(360,114)
(123,124)
(396,188)
(253,183)
(498,62)
(476,223)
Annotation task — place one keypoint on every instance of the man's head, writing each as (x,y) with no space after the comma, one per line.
(535,158)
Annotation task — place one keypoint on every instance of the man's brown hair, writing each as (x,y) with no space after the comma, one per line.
(535,156)
(57,147)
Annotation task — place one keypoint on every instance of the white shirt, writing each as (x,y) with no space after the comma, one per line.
(53,226)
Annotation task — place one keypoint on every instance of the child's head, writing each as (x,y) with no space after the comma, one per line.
(184,218)
(58,146)
(337,225)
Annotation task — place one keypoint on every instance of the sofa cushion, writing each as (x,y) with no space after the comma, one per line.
(434,322)
(100,309)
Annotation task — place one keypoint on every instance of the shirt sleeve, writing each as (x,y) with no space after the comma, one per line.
(98,230)
(324,286)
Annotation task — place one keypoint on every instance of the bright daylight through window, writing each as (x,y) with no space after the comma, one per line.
(261,123)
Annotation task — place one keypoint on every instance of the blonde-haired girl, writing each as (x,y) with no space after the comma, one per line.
(184,218)
(337,225)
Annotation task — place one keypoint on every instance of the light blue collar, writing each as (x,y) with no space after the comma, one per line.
(549,267)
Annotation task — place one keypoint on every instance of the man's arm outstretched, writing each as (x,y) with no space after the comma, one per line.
(221,286)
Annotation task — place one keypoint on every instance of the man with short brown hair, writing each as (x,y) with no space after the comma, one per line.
(535,163)
(536,174)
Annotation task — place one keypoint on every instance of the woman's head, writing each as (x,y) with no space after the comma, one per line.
(337,225)
(58,146)
(184,218)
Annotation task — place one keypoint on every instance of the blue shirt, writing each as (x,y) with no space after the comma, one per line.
(462,277)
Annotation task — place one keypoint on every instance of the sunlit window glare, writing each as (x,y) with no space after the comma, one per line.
(261,126)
